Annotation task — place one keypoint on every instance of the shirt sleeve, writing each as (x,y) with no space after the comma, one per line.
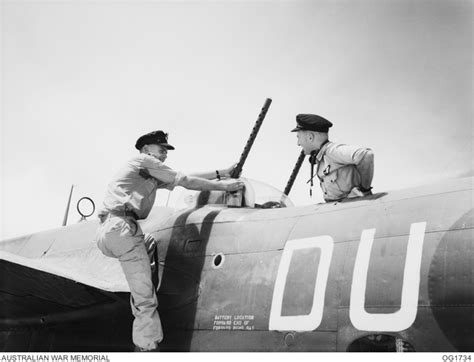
(162,172)
(346,154)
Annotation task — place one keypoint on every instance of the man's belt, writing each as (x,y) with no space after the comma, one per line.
(120,213)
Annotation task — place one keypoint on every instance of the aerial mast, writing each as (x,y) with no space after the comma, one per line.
(67,207)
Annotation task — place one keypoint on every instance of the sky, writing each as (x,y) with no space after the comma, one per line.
(82,80)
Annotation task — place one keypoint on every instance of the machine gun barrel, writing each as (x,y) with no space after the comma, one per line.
(238,169)
(294,173)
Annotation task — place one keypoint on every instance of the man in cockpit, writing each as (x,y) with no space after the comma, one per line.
(344,171)
(130,197)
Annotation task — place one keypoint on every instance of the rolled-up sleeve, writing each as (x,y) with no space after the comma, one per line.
(157,169)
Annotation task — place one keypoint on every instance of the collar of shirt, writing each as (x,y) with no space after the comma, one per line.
(323,149)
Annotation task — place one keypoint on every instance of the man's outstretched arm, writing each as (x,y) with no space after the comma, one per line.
(197,183)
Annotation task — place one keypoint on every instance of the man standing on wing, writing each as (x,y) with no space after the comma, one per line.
(130,197)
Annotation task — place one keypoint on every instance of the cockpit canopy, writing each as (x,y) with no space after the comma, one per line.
(256,194)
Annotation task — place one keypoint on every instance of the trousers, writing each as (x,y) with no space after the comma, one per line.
(122,238)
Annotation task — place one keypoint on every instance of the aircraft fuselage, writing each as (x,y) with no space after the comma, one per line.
(385,272)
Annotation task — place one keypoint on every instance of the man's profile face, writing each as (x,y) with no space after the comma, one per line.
(159,151)
(304,141)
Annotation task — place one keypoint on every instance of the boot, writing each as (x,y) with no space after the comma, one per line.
(141,349)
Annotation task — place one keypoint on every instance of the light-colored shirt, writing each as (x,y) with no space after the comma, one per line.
(341,167)
(134,187)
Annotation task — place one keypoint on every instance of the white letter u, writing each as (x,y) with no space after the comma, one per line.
(405,316)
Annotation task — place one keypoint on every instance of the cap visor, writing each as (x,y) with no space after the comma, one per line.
(296,129)
(167,146)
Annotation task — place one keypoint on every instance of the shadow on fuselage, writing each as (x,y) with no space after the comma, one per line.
(180,282)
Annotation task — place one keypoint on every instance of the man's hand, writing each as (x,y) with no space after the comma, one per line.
(233,185)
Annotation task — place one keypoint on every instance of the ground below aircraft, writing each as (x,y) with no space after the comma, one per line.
(389,272)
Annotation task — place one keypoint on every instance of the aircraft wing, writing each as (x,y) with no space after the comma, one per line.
(30,295)
(57,276)
(60,276)
(88,267)
(69,253)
